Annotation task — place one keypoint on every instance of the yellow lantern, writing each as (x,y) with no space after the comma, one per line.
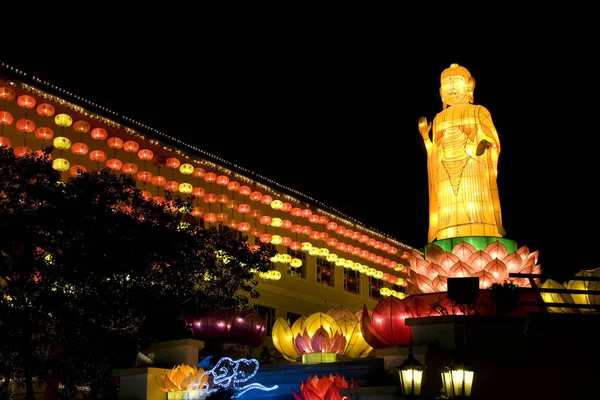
(332,257)
(274,275)
(295,263)
(60,164)
(378,274)
(62,143)
(186,169)
(306,246)
(370,271)
(323,252)
(277,204)
(385,291)
(276,258)
(276,222)
(276,239)
(314,251)
(285,258)
(349,264)
(63,120)
(185,188)
(340,262)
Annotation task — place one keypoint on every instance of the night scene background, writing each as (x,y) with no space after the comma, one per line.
(335,117)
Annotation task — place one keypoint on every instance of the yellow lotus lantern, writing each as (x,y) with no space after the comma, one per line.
(349,322)
(574,298)
(177,381)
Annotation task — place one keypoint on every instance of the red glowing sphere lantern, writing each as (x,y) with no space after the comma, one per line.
(306,213)
(145,155)
(115,143)
(198,192)
(44,133)
(222,326)
(22,151)
(159,180)
(286,241)
(286,224)
(76,170)
(99,134)
(146,194)
(45,110)
(255,213)
(172,186)
(210,177)
(210,217)
(25,125)
(255,232)
(340,230)
(80,149)
(295,245)
(266,199)
(323,220)
(265,238)
(159,199)
(5,142)
(173,163)
(244,208)
(81,126)
(296,228)
(233,205)
(233,223)
(130,169)
(222,217)
(386,327)
(287,207)
(244,226)
(244,190)
(296,212)
(144,176)
(266,220)
(255,196)
(314,235)
(314,218)
(222,199)
(198,172)
(6,93)
(197,211)
(130,146)
(6,118)
(233,186)
(114,164)
(98,156)
(306,230)
(222,180)
(26,102)
(210,198)
(332,242)
(331,226)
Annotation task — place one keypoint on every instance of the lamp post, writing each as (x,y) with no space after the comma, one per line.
(457,378)
(411,375)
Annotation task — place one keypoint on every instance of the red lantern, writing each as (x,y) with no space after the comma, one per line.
(341,246)
(44,133)
(266,220)
(244,190)
(266,199)
(6,93)
(159,199)
(296,212)
(265,238)
(255,196)
(222,180)
(198,192)
(286,207)
(145,155)
(323,220)
(233,223)
(314,235)
(323,235)
(222,217)
(144,176)
(296,228)
(80,149)
(286,224)
(306,213)
(22,150)
(173,162)
(386,327)
(210,177)
(340,230)
(25,125)
(45,110)
(130,169)
(198,172)
(26,102)
(98,156)
(146,194)
(306,230)
(232,204)
(114,164)
(255,232)
(332,242)
(210,198)
(295,245)
(222,198)
(159,180)
(244,208)
(76,170)
(130,146)
(6,118)
(4,142)
(244,227)
(314,218)
(99,134)
(81,127)
(332,226)
(210,217)
(115,143)
(233,186)
(348,233)
(286,241)
(172,186)
(197,211)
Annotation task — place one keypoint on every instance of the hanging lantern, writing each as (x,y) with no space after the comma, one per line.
(295,246)
(25,125)
(98,156)
(233,186)
(306,213)
(172,186)
(295,262)
(285,258)
(331,226)
(266,199)
(6,93)
(331,257)
(331,242)
(222,180)
(255,213)
(276,239)
(222,217)
(173,163)
(45,110)
(210,198)
(76,170)
(296,212)
(287,207)
(198,172)
(145,155)
(244,190)
(130,146)
(255,196)
(63,120)
(286,224)
(44,133)
(232,204)
(286,241)
(26,102)
(159,199)
(5,142)
(61,143)
(146,194)
(314,218)
(99,134)
(244,227)
(60,164)
(114,164)
(115,143)
(22,151)
(244,208)
(306,246)
(197,211)
(6,118)
(277,204)
(144,176)
(276,222)
(198,192)
(210,177)
(265,220)
(222,198)
(81,127)
(210,217)
(186,169)
(130,169)
(80,149)
(158,180)
(185,188)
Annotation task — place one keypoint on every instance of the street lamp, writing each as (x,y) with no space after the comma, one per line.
(411,375)
(457,378)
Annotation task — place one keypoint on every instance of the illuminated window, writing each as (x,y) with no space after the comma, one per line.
(325,272)
(292,317)
(299,272)
(268,314)
(374,286)
(351,281)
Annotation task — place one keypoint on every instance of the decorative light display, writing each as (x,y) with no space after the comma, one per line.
(385,326)
(180,378)
(326,387)
(228,374)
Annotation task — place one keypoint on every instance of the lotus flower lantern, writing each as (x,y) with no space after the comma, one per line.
(385,327)
(323,388)
(179,379)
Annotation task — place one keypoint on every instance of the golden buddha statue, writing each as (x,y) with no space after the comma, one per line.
(462,163)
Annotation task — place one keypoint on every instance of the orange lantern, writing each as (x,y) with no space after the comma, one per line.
(76,170)
(255,232)
(22,150)
(244,190)
(26,102)
(222,198)
(159,199)
(97,155)
(210,177)
(198,172)
(332,226)
(114,164)
(306,230)
(296,212)
(244,208)
(314,235)
(173,162)
(210,198)
(145,154)
(146,194)
(331,242)
(172,186)
(4,142)
(159,180)
(266,199)
(265,238)
(323,220)
(255,196)
(99,134)
(197,211)
(266,220)
(232,204)
(198,192)
(233,223)
(244,226)
(25,125)
(130,146)
(295,245)
(306,213)
(287,207)
(233,186)
(115,143)
(80,149)
(45,110)
(6,93)
(255,213)
(6,118)
(286,224)
(130,169)
(81,127)
(286,241)
(210,217)
(296,228)
(340,230)
(144,176)
(314,218)
(44,133)
(222,217)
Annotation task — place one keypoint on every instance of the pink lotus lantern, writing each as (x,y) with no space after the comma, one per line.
(385,327)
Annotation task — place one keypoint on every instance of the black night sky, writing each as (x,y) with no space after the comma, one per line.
(335,117)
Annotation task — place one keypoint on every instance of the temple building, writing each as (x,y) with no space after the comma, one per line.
(325,259)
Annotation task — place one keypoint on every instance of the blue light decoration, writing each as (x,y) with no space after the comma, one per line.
(227,373)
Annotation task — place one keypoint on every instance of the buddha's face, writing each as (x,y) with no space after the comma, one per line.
(454,89)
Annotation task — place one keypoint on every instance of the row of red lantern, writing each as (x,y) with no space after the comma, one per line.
(81,126)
